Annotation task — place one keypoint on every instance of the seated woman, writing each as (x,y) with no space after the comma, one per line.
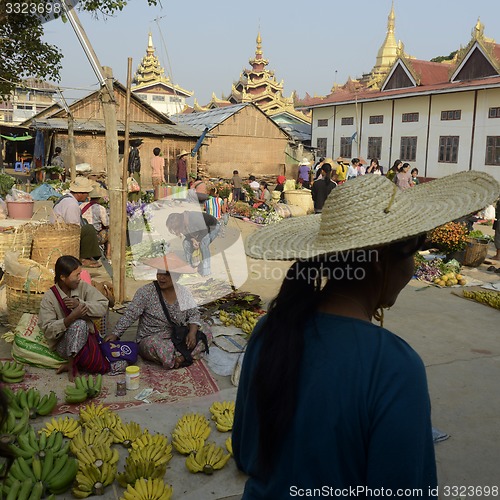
(265,196)
(66,318)
(155,332)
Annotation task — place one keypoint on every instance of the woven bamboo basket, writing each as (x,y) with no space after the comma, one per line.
(19,239)
(50,241)
(300,198)
(475,252)
(25,293)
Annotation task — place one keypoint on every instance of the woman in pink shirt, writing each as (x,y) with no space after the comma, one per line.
(403,177)
(157,164)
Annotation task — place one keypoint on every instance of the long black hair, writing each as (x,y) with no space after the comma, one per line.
(277,374)
(65,265)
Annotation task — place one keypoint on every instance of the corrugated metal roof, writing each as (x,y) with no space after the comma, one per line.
(135,128)
(299,131)
(208,119)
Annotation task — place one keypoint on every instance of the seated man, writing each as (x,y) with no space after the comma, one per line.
(67,209)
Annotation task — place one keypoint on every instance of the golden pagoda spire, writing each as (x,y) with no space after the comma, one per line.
(150,49)
(258,50)
(388,52)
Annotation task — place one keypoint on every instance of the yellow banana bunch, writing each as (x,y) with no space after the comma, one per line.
(159,451)
(126,434)
(69,427)
(105,422)
(491,299)
(96,456)
(207,459)
(9,337)
(135,469)
(246,320)
(194,425)
(229,445)
(90,437)
(186,444)
(223,415)
(92,480)
(152,489)
(92,411)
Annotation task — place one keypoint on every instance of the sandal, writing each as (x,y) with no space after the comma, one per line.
(492,269)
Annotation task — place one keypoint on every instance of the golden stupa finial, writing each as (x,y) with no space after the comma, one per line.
(391,20)
(150,50)
(478,31)
(258,51)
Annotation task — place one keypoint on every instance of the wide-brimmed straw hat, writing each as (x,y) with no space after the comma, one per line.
(98,192)
(170,262)
(305,161)
(371,211)
(81,185)
(182,153)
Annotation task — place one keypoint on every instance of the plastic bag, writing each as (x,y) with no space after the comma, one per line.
(44,192)
(132,185)
(3,209)
(18,195)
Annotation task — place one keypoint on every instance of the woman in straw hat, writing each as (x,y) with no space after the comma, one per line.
(326,398)
(160,306)
(97,215)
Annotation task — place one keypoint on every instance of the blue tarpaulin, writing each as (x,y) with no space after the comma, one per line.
(44,192)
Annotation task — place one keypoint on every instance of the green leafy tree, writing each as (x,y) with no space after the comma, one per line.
(23,53)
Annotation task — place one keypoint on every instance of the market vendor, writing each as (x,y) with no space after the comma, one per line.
(66,318)
(159,306)
(198,229)
(67,209)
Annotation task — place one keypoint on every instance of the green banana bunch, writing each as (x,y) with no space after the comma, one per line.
(34,402)
(86,438)
(91,411)
(90,384)
(12,372)
(91,480)
(491,299)
(223,415)
(207,459)
(12,427)
(75,394)
(135,469)
(63,473)
(126,434)
(155,448)
(18,489)
(29,446)
(152,489)
(97,455)
(194,425)
(13,403)
(69,427)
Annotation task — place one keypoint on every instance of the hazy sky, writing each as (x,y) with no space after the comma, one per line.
(204,45)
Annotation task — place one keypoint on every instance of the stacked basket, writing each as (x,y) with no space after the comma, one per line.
(50,241)
(25,293)
(18,239)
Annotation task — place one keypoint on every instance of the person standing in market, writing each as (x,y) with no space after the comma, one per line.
(134,167)
(181,173)
(496,227)
(157,168)
(57,161)
(341,170)
(236,183)
(304,173)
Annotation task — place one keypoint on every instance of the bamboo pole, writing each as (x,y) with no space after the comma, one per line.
(114,178)
(125,171)
(71,147)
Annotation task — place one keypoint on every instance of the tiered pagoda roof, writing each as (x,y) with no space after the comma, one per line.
(151,76)
(258,85)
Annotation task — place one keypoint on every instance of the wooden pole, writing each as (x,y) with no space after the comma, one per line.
(71,147)
(125,171)
(114,179)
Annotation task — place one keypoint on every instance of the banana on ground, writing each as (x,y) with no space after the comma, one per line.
(153,489)
(207,459)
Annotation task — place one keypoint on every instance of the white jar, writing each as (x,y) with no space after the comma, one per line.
(132,376)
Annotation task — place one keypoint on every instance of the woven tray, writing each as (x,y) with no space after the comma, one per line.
(50,241)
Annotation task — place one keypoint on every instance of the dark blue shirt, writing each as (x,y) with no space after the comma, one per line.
(362,420)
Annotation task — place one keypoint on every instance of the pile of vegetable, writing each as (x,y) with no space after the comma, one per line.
(438,272)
